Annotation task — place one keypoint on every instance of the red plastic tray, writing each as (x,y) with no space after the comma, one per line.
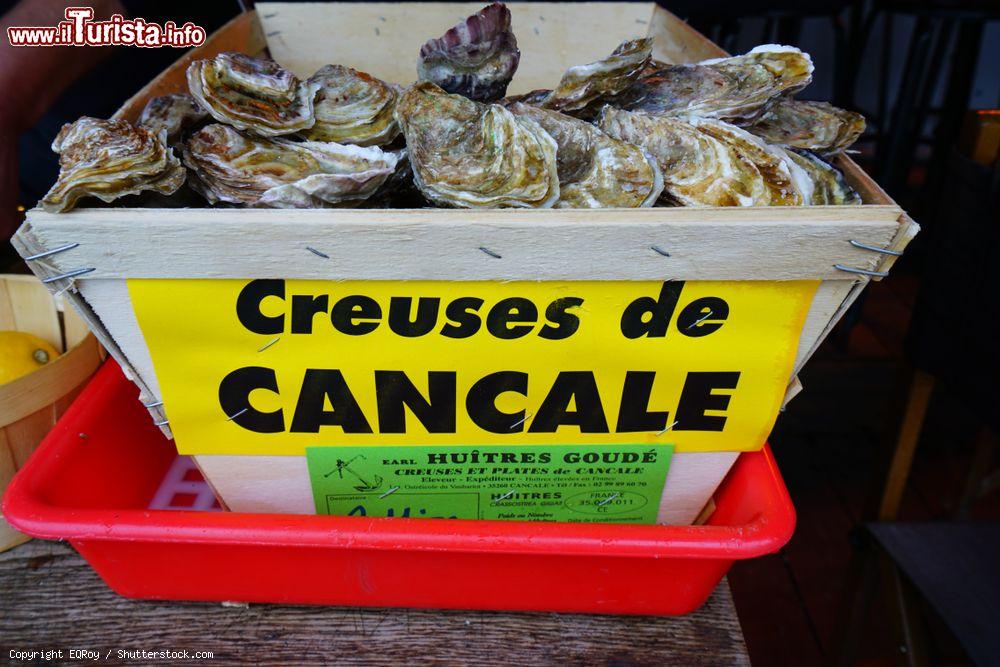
(92,479)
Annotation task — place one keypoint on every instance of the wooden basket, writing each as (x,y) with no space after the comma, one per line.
(91,252)
(30,405)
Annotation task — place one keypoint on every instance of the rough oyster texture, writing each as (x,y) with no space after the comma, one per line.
(472,155)
(477,58)
(698,169)
(172,114)
(109,159)
(584,88)
(595,170)
(737,88)
(279,173)
(829,186)
(352,107)
(252,94)
(788,184)
(814,126)
(534,98)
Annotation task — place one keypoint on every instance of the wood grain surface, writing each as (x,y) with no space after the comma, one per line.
(767,243)
(51,599)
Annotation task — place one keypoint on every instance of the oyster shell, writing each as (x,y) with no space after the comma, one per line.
(584,88)
(473,155)
(280,173)
(829,186)
(109,159)
(788,183)
(814,126)
(398,191)
(252,94)
(172,114)
(477,58)
(352,107)
(740,87)
(595,170)
(534,98)
(698,169)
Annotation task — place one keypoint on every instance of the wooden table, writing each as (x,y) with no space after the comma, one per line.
(51,599)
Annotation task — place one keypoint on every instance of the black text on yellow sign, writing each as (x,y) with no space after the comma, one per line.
(274,366)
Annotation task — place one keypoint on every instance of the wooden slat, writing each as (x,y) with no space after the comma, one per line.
(21,397)
(826,303)
(8,536)
(907,231)
(24,435)
(677,42)
(869,190)
(74,328)
(112,304)
(710,244)
(46,580)
(384,38)
(242,34)
(25,305)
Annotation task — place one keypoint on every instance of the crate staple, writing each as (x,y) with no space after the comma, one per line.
(863,272)
(505,496)
(608,499)
(699,320)
(66,276)
(49,253)
(490,253)
(874,248)
(520,421)
(659,433)
(660,251)
(267,345)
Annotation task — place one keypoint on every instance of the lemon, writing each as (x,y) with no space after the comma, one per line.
(21,353)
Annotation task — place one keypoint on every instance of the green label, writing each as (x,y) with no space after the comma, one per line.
(579,483)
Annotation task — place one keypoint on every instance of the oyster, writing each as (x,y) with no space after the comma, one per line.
(814,126)
(534,98)
(698,169)
(398,191)
(352,107)
(595,170)
(477,58)
(172,114)
(241,169)
(788,183)
(473,155)
(739,87)
(109,159)
(252,94)
(584,88)
(829,186)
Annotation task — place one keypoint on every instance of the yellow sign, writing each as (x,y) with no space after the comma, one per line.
(271,367)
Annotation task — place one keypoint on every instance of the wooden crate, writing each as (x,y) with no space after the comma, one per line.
(30,405)
(833,244)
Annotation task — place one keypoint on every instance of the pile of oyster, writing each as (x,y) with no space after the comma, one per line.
(625,131)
